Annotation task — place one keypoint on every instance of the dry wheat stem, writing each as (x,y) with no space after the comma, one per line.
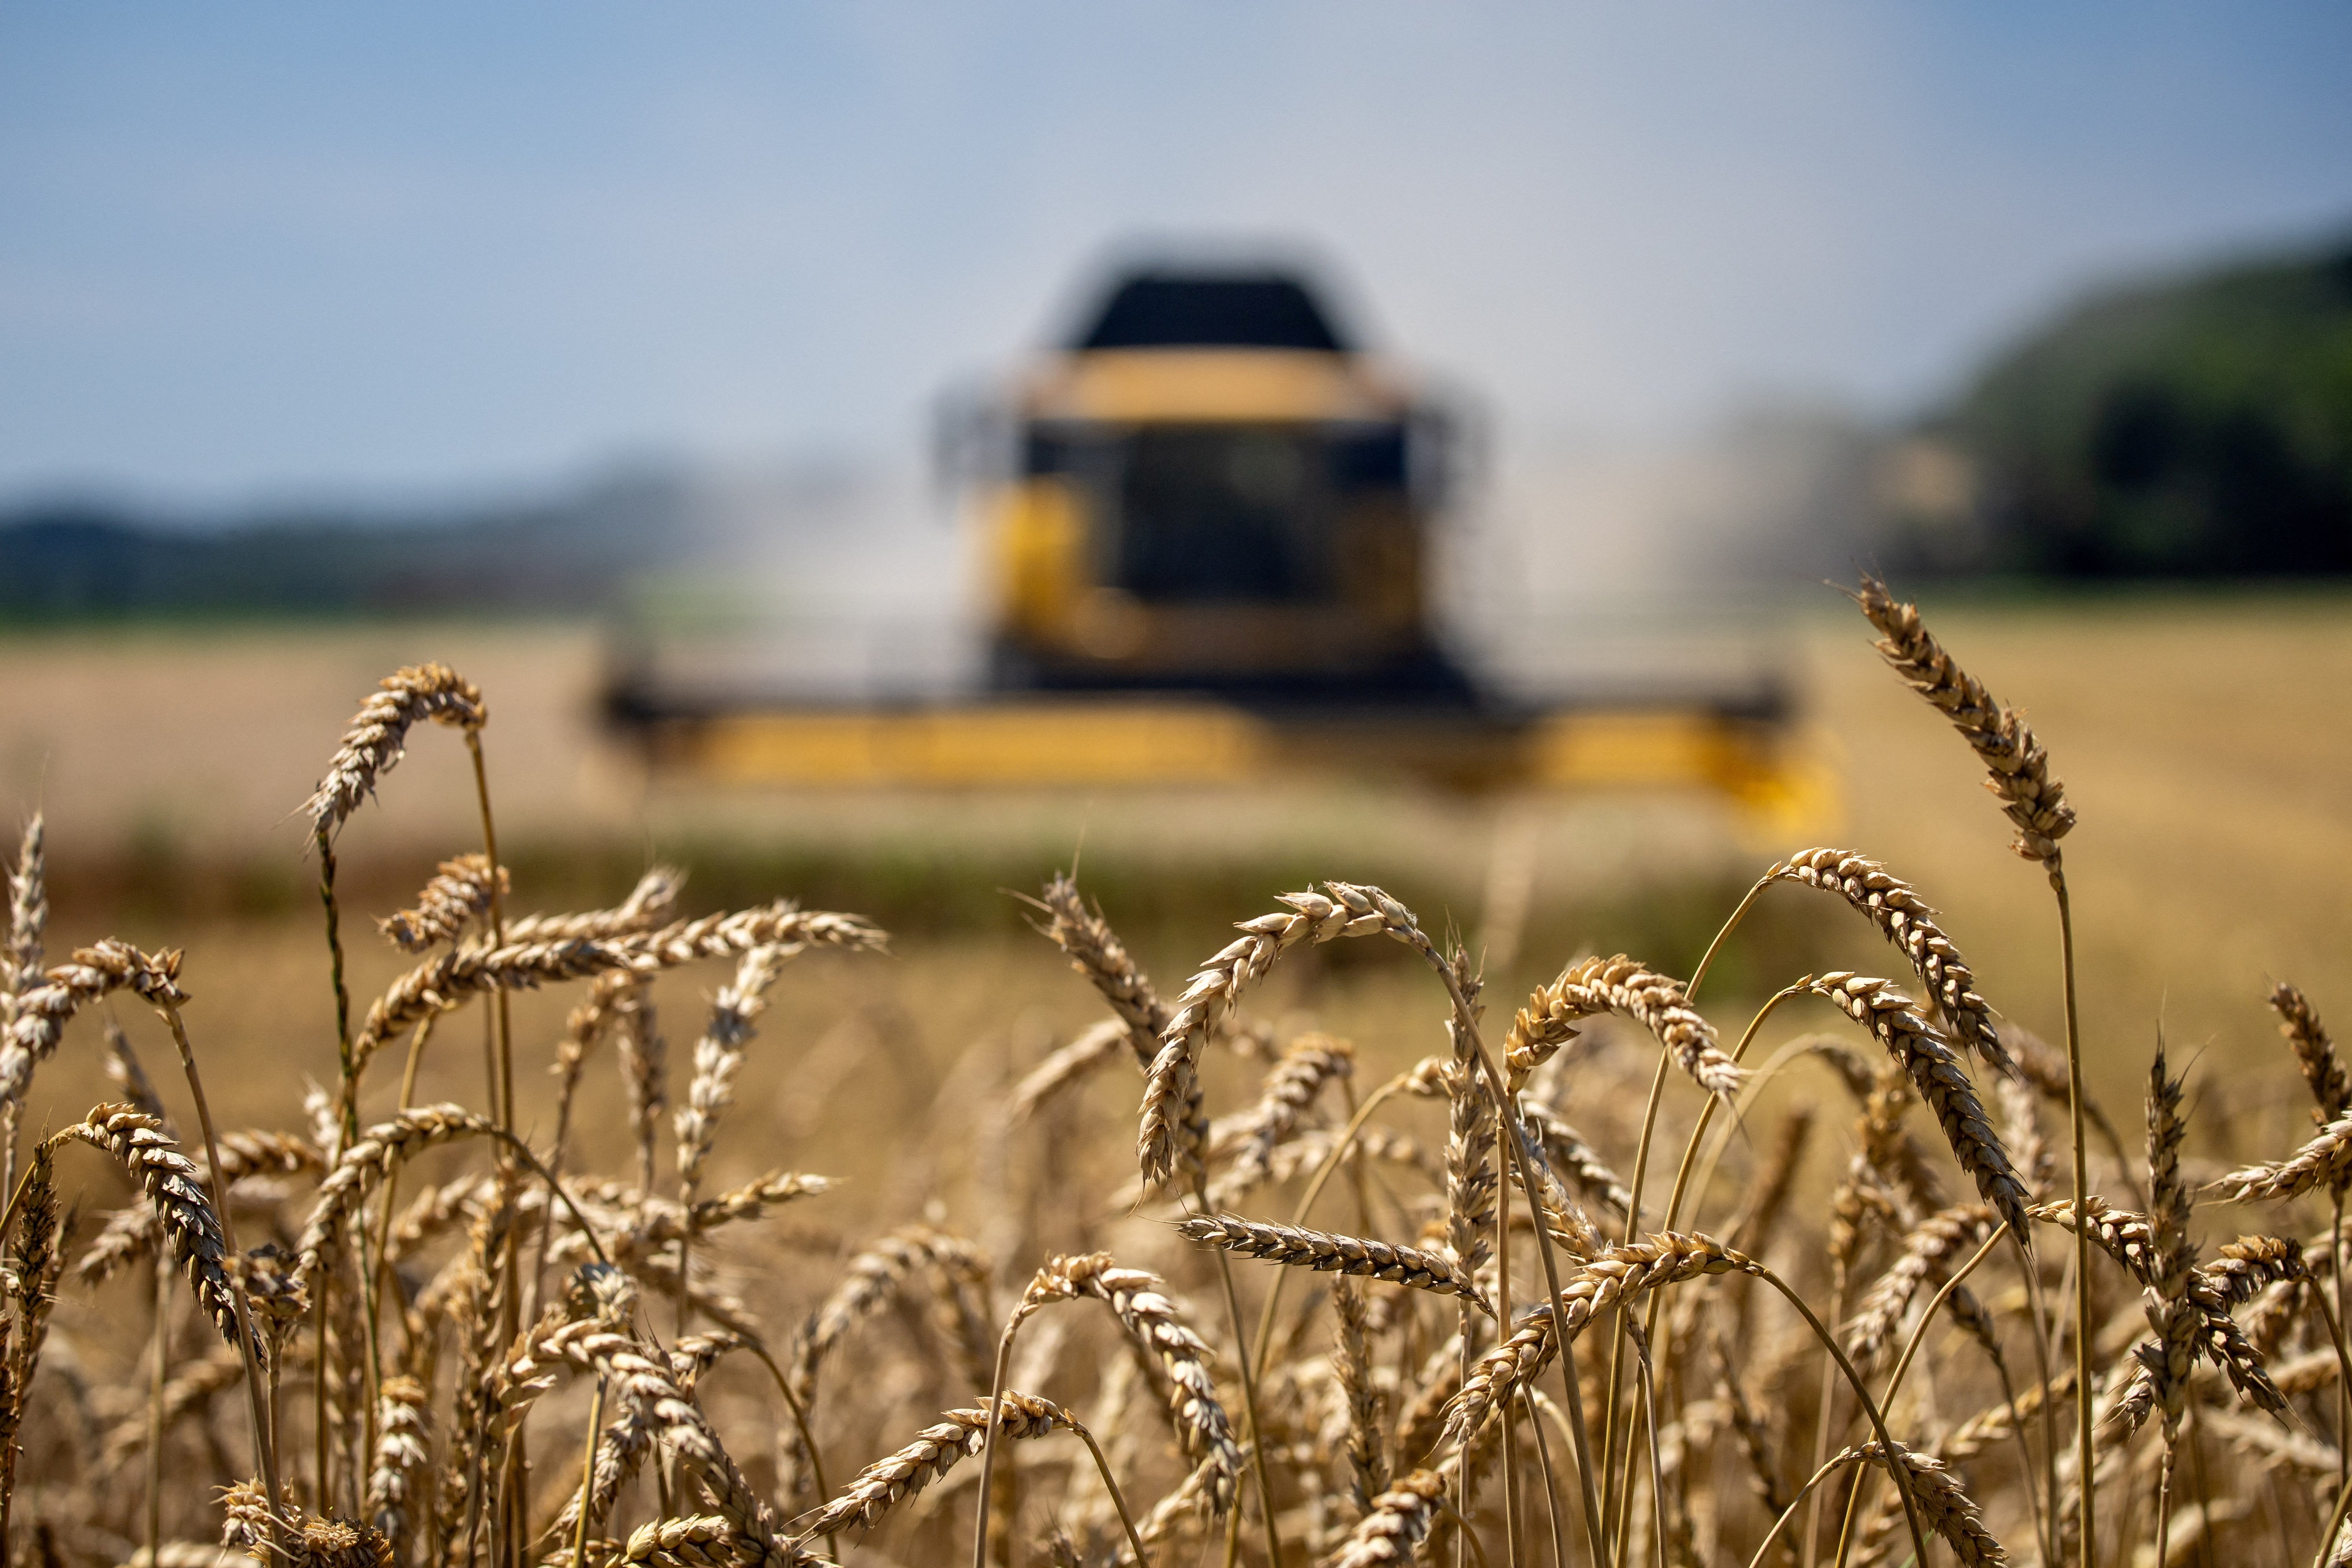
(1401,924)
(1951,1291)
(1619,1275)
(1673,1208)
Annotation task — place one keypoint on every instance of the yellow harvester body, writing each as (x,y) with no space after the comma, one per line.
(1208,527)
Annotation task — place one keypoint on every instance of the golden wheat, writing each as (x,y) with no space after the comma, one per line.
(471,1375)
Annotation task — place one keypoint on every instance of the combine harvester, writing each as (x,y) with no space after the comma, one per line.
(1209,522)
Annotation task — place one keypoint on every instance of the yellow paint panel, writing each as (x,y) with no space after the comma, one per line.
(1211,385)
(1076,742)
(1633,748)
(1030,744)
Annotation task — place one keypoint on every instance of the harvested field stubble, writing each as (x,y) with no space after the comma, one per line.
(1546,1295)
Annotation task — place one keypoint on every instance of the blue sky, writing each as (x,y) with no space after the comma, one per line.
(259,251)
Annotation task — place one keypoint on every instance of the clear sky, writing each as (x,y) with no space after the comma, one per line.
(251,250)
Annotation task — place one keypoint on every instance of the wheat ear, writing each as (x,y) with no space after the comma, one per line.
(1909,922)
(1400,1519)
(1097,1043)
(1945,1506)
(1173,1128)
(372,746)
(403,1417)
(1896,1022)
(717,1057)
(1367,1463)
(28,908)
(458,895)
(957,1434)
(1299,1247)
(1139,1299)
(702,1541)
(42,1011)
(175,1188)
(448,980)
(1096,952)
(2017,767)
(20,963)
(1931,1248)
(2323,1162)
(33,1268)
(650,903)
(1631,990)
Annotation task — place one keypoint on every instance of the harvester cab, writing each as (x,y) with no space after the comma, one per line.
(1212,490)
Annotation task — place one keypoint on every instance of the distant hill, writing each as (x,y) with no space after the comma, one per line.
(78,559)
(2201,426)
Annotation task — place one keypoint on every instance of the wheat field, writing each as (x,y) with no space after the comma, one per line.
(618,1236)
